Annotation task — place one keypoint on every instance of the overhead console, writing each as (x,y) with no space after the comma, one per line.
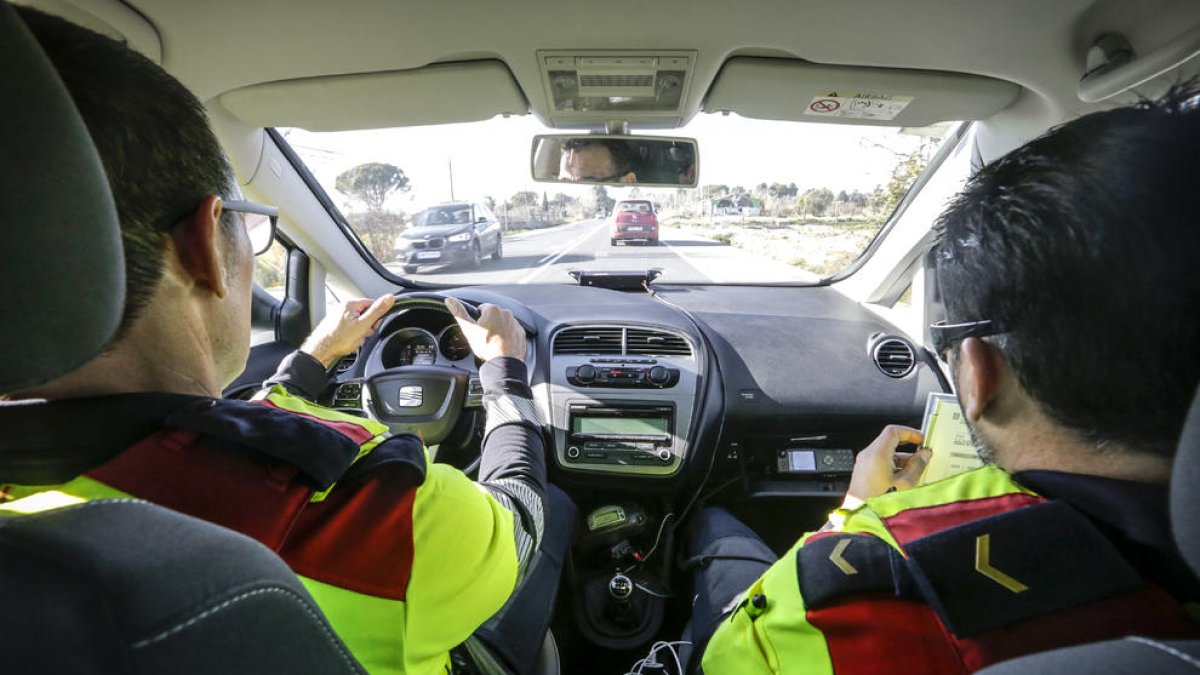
(622,397)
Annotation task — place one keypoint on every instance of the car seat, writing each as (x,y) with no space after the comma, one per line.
(112,586)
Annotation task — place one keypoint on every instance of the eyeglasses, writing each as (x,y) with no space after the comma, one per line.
(260,222)
(944,335)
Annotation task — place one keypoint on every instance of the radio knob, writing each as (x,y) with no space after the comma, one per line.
(572,452)
(586,373)
(664,455)
(659,375)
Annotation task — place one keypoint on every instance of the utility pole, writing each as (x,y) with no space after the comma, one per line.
(450,163)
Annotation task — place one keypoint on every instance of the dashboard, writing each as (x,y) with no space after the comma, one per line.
(777,387)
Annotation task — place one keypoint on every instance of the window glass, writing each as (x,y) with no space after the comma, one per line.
(270,269)
(777,202)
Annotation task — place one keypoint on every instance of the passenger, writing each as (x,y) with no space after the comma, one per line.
(407,558)
(1070,270)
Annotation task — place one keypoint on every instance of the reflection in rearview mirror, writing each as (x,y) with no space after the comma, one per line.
(620,160)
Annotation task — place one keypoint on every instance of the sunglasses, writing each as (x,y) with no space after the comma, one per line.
(260,221)
(944,335)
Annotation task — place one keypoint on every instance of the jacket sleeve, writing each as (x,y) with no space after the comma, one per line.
(513,465)
(473,541)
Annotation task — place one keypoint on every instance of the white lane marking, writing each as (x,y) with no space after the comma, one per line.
(545,262)
(706,270)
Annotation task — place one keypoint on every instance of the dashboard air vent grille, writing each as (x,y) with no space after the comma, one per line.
(658,343)
(893,356)
(592,340)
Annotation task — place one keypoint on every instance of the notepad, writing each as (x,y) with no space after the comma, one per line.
(946,434)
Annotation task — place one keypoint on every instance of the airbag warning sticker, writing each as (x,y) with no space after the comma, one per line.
(858,105)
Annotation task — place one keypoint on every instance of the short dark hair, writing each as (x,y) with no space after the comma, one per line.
(153,136)
(622,155)
(1085,245)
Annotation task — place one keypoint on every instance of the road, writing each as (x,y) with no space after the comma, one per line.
(546,256)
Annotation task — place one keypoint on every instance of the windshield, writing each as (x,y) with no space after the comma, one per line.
(777,202)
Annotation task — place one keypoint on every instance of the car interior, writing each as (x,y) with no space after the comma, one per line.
(660,395)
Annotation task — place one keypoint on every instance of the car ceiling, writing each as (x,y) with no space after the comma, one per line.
(218,46)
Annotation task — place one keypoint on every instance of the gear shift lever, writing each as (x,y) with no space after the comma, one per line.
(619,610)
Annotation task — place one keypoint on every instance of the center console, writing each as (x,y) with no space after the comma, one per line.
(621,398)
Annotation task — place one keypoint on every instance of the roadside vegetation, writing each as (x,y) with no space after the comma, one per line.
(813,229)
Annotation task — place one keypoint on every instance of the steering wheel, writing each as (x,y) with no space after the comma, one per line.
(423,399)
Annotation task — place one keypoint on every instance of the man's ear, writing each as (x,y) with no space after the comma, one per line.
(198,246)
(980,368)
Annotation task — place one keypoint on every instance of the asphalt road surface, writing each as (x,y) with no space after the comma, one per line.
(546,256)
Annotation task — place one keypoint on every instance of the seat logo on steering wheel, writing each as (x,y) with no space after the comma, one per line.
(410,396)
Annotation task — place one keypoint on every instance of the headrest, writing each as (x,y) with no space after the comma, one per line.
(62,272)
(1185,488)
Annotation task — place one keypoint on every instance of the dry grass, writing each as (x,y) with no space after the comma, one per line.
(823,248)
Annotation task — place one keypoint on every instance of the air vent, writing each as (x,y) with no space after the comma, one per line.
(658,343)
(594,340)
(895,357)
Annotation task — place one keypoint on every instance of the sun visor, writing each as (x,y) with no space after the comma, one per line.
(437,94)
(780,89)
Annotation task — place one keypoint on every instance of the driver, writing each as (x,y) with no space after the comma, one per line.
(598,160)
(406,557)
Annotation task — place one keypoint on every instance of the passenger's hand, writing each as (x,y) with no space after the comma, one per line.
(343,332)
(495,333)
(879,467)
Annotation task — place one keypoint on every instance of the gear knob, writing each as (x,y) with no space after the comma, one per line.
(620,587)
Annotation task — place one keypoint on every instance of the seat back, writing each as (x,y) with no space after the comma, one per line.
(124,586)
(110,586)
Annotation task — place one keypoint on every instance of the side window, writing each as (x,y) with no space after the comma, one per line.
(270,270)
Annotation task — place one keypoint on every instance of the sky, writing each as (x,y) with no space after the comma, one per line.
(491,158)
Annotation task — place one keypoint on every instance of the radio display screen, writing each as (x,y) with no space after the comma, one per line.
(621,426)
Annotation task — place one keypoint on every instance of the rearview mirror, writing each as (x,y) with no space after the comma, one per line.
(616,160)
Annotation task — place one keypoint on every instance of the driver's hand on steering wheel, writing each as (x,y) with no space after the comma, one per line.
(495,333)
(343,332)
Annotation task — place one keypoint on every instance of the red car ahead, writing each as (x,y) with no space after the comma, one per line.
(634,220)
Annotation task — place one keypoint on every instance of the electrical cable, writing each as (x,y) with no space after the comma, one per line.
(651,659)
(712,460)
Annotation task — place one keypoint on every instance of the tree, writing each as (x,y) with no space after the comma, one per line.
(522,199)
(603,201)
(372,183)
(490,202)
(903,176)
(818,200)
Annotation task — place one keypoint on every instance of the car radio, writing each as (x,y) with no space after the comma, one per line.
(624,373)
(815,461)
(620,433)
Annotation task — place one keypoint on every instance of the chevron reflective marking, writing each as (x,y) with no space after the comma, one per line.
(983,552)
(837,559)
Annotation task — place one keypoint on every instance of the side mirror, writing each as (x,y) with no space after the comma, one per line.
(481,219)
(651,161)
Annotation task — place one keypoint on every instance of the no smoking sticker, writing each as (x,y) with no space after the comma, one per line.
(823,106)
(858,105)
